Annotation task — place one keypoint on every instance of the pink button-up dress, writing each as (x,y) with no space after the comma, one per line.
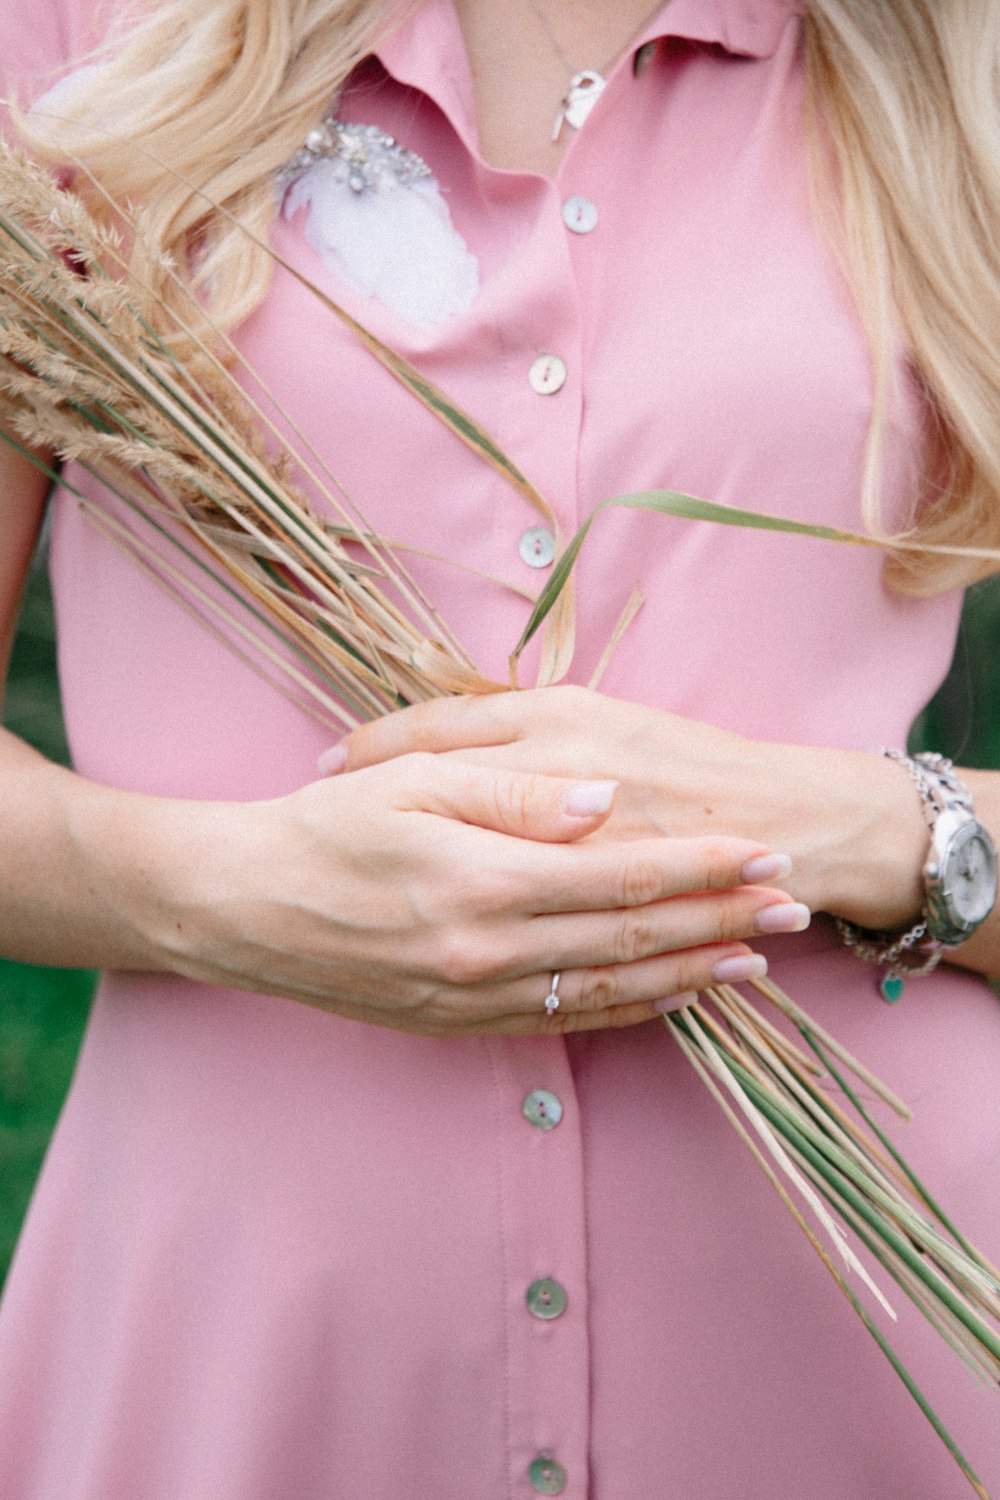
(277,1255)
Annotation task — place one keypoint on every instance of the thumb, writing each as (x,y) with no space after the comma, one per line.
(553,809)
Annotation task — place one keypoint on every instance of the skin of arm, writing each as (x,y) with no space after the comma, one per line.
(431,897)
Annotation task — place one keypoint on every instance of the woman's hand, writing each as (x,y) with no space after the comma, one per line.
(849,820)
(440,897)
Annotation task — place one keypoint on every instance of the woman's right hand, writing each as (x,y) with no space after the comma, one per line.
(439,898)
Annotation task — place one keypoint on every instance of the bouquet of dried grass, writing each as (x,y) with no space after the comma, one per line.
(205,493)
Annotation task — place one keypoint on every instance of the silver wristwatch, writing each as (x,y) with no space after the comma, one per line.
(960,876)
(960,879)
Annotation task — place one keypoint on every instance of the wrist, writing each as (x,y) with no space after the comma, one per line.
(142,860)
(955,875)
(877,843)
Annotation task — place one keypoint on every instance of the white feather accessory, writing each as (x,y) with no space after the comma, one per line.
(378,220)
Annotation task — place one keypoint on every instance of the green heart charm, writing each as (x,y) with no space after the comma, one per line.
(892,987)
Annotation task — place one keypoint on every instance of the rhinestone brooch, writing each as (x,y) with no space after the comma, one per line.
(367,158)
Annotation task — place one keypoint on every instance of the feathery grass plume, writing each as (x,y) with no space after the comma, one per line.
(205,493)
(83,374)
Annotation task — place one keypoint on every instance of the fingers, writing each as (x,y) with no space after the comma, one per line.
(558,810)
(612,958)
(633,934)
(443,724)
(616,995)
(542,808)
(600,992)
(617,968)
(605,876)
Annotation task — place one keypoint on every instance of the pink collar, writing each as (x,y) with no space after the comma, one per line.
(426,50)
(747,28)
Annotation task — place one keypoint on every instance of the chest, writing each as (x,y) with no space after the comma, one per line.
(537,66)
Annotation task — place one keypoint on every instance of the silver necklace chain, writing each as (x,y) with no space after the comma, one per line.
(586,84)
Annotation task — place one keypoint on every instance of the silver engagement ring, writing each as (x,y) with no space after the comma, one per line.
(552,998)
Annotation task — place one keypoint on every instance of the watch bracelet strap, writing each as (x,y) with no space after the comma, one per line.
(935,780)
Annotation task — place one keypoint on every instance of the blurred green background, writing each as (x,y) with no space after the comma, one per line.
(43,1011)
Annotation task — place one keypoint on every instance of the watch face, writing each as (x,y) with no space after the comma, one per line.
(968,876)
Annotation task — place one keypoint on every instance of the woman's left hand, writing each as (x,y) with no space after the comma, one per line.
(847,819)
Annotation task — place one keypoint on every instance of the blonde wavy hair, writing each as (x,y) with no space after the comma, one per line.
(905,117)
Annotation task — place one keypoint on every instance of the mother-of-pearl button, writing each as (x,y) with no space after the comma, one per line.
(579,214)
(543,1109)
(546,1299)
(537,547)
(547,1477)
(547,374)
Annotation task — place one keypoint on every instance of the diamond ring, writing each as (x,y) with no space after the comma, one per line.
(552,998)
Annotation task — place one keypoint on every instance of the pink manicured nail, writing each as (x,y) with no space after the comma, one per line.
(784,916)
(765,867)
(332,761)
(739,969)
(584,799)
(675,1002)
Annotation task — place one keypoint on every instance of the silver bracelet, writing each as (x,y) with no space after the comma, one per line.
(905,955)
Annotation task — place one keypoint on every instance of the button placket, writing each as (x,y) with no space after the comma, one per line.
(541,1156)
(541,1165)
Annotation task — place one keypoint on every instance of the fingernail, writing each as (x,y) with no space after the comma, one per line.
(783,916)
(764,867)
(584,799)
(675,1002)
(739,969)
(332,761)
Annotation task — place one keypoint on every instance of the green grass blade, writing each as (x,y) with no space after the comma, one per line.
(915,1182)
(681,506)
(691,508)
(841,1186)
(676,1023)
(556,583)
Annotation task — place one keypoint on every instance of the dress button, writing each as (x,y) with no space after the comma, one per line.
(546,1299)
(579,214)
(643,58)
(542,1109)
(537,547)
(547,374)
(547,1477)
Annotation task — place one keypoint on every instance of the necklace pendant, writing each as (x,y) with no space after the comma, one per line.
(585,88)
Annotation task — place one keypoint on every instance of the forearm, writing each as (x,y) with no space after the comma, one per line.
(77,866)
(73,856)
(415,896)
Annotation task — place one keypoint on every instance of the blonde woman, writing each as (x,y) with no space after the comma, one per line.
(379,1176)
